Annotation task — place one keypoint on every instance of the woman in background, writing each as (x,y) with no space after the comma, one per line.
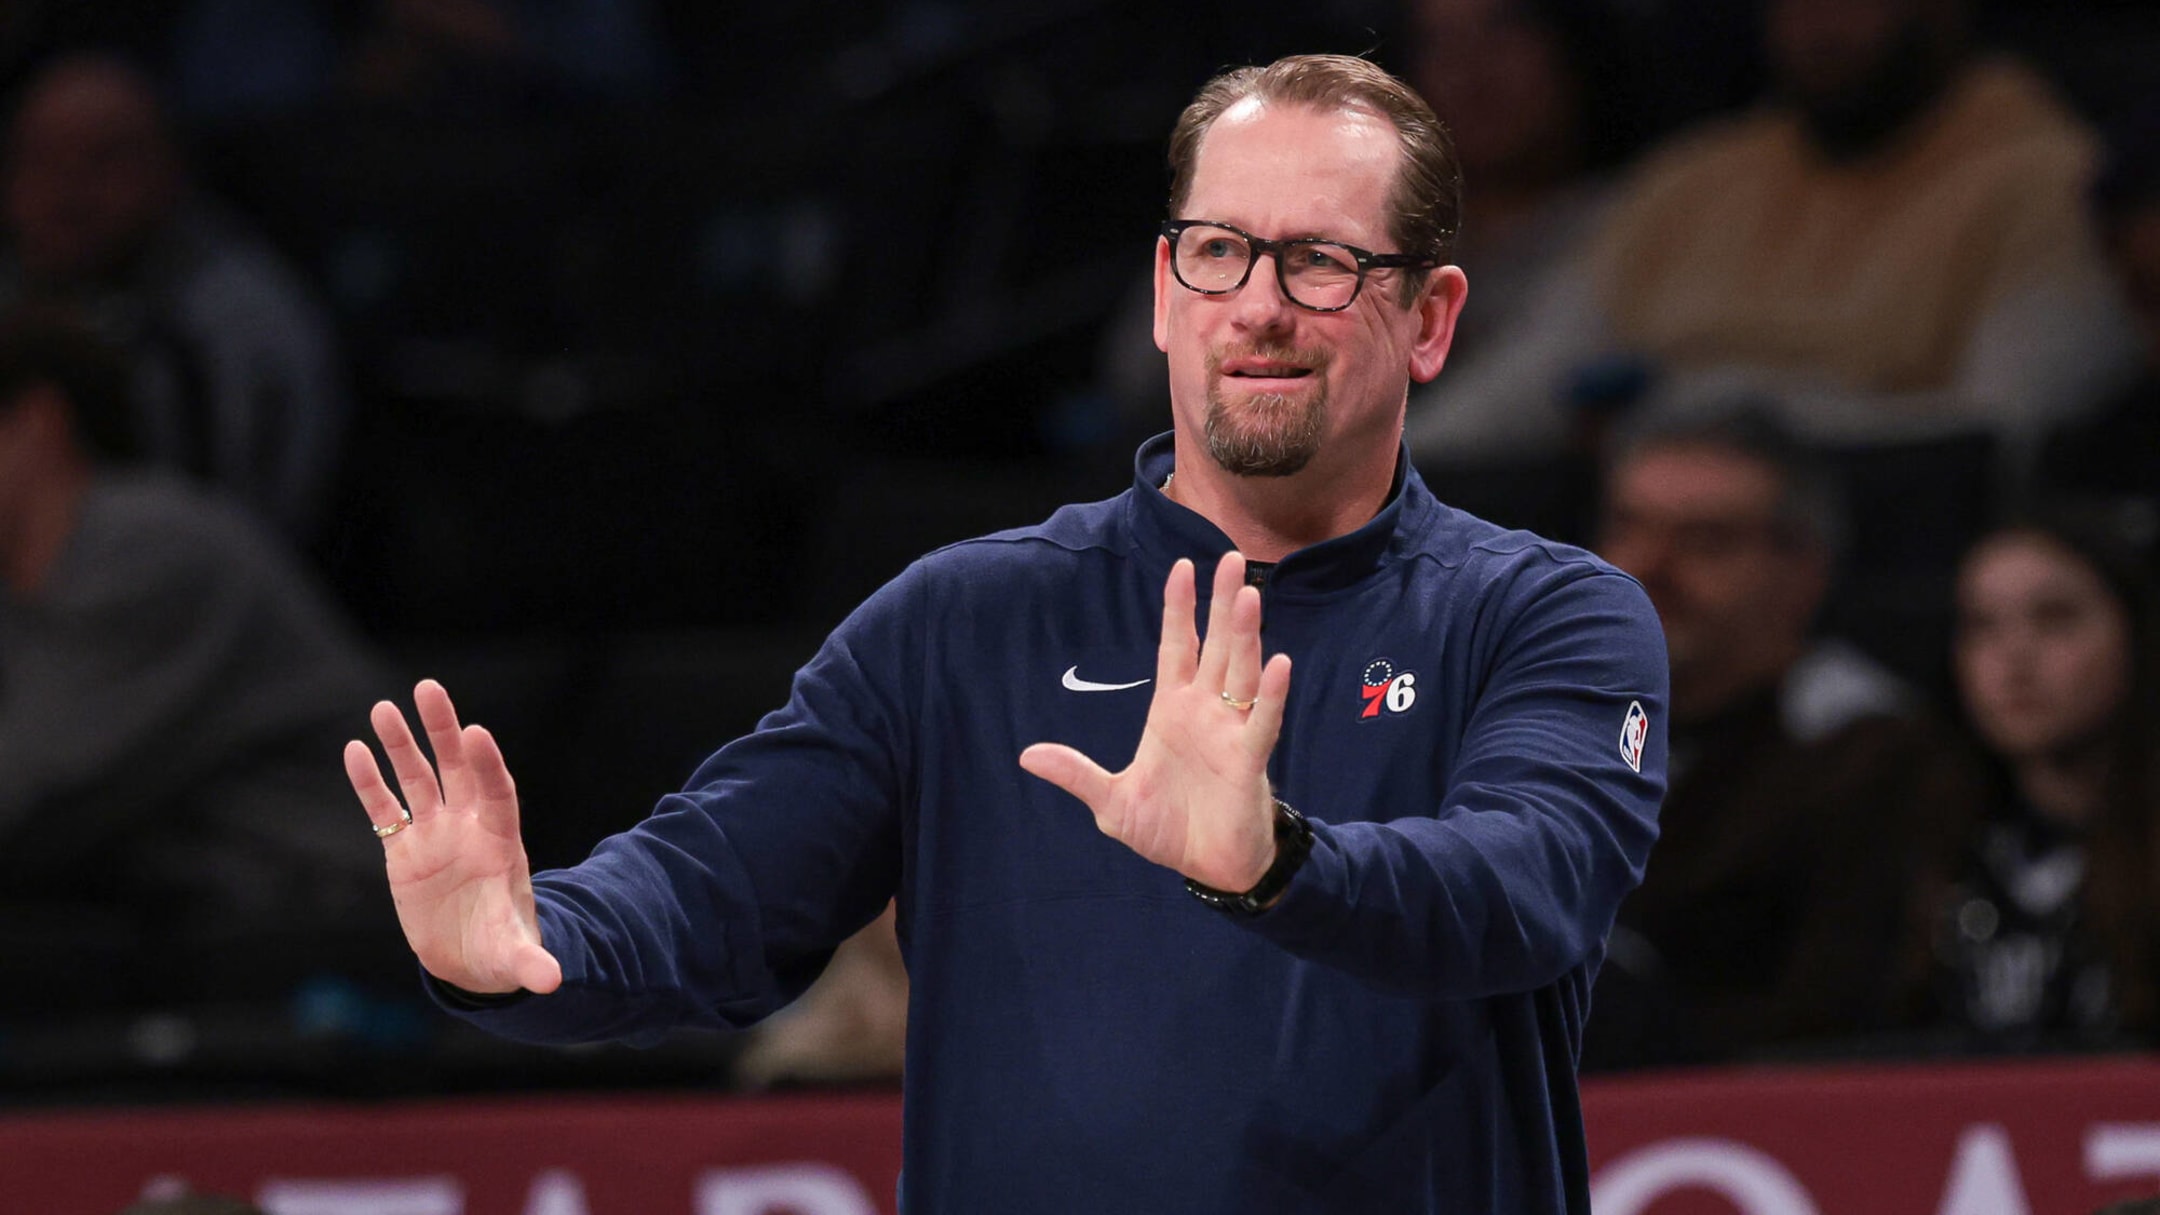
(2051,936)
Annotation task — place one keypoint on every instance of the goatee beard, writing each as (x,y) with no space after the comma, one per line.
(1265,435)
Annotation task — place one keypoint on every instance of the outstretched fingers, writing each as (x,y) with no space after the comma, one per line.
(494,793)
(1179,653)
(1215,651)
(415,776)
(1239,643)
(439,718)
(382,806)
(1264,726)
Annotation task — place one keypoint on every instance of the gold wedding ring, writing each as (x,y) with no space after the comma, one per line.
(383,833)
(1240,705)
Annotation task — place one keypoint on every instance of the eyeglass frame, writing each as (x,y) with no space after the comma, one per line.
(1367,261)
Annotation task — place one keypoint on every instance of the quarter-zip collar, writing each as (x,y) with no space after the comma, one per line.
(1166,531)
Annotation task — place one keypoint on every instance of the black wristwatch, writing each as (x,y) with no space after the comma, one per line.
(1293,843)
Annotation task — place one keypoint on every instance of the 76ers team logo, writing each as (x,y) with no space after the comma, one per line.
(1634,732)
(1385,689)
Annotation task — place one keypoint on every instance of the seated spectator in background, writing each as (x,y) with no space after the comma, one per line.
(1805,789)
(849,1028)
(172,697)
(236,378)
(478,58)
(1532,91)
(2051,934)
(2115,454)
(1895,245)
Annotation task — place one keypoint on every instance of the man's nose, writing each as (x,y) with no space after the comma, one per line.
(2020,652)
(1260,304)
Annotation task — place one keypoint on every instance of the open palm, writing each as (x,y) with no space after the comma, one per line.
(1195,797)
(458,872)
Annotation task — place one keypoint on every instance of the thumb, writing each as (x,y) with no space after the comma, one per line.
(1068,770)
(536,969)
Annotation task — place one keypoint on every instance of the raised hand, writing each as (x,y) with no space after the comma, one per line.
(1195,797)
(457,864)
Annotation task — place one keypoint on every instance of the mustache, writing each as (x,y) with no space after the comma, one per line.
(1271,352)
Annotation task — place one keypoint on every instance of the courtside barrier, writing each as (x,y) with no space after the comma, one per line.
(2008,1138)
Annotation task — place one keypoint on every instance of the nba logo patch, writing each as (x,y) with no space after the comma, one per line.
(1634,732)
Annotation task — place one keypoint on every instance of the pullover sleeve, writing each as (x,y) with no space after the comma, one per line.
(725,903)
(1545,824)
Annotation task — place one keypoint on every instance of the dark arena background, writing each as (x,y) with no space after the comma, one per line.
(599,356)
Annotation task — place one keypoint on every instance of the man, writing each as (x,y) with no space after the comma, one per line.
(1894,244)
(236,378)
(1538,95)
(1200,1000)
(169,684)
(1808,801)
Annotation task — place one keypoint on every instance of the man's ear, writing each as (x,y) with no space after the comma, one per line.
(1162,299)
(1438,304)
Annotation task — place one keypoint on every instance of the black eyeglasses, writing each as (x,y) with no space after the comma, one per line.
(1317,275)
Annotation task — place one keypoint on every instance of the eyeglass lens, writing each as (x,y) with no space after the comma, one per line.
(1317,274)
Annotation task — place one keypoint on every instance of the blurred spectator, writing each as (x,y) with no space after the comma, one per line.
(1539,97)
(1895,244)
(32,30)
(2115,454)
(236,378)
(2051,936)
(172,698)
(476,58)
(1806,792)
(849,1028)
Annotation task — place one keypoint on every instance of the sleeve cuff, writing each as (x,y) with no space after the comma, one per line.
(458,999)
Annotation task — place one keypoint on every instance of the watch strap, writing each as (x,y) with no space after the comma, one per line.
(1293,843)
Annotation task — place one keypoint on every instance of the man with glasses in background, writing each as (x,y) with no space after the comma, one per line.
(1325,942)
(1812,807)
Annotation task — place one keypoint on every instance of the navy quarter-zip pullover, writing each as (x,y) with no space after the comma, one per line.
(1476,730)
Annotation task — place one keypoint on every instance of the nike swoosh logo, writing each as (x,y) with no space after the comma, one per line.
(1073,682)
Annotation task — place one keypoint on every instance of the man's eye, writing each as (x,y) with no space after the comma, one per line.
(1320,257)
(1220,248)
